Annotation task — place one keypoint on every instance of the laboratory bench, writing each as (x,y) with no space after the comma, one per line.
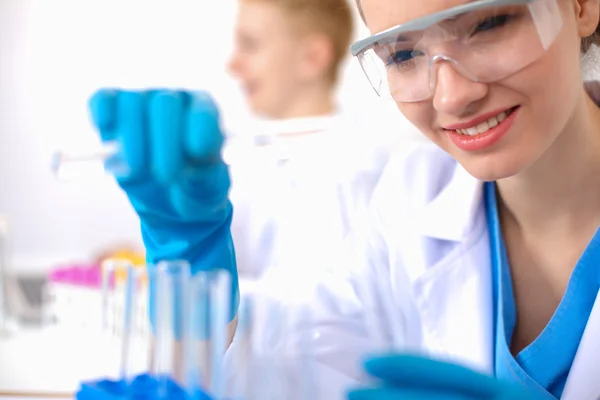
(51,362)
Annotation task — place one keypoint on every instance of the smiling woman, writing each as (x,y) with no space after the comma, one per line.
(499,221)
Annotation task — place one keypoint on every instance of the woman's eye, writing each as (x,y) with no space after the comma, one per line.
(492,23)
(404,56)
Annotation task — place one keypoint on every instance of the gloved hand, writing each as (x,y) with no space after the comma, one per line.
(178,183)
(411,377)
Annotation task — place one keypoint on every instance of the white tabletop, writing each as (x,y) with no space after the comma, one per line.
(19,397)
(54,361)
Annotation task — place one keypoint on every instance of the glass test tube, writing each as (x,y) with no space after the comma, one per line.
(171,280)
(121,283)
(191,316)
(69,165)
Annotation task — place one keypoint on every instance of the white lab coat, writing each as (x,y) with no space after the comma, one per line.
(415,275)
(422,278)
(295,200)
(296,191)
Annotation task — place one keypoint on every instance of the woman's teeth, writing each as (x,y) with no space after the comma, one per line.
(485,126)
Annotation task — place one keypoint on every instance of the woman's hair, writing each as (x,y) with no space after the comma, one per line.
(332,18)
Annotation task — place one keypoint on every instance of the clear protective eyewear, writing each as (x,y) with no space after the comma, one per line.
(484,41)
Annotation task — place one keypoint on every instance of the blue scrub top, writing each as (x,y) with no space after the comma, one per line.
(543,366)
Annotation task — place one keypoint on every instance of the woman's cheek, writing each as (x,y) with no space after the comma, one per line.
(422,117)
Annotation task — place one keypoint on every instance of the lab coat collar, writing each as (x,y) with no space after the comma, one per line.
(452,213)
(298,127)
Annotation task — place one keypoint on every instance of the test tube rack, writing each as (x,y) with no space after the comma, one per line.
(179,298)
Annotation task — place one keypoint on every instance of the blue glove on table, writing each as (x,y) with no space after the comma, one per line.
(177,181)
(411,377)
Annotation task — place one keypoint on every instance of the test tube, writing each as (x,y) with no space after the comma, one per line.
(108,268)
(193,357)
(129,311)
(68,165)
(121,282)
(242,354)
(193,311)
(114,287)
(220,298)
(208,317)
(171,279)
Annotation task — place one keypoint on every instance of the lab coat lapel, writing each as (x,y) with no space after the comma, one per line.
(583,382)
(453,294)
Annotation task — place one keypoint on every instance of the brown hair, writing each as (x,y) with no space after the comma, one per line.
(332,18)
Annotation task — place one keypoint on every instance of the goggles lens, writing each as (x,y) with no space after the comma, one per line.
(487,43)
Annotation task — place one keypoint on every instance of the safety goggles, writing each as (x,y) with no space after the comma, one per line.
(485,41)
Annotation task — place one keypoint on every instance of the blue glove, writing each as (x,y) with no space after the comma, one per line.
(177,181)
(411,377)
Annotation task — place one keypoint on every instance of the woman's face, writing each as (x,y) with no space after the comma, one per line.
(545,95)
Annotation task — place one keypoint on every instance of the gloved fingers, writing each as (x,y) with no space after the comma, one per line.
(203,188)
(203,137)
(130,130)
(402,394)
(166,126)
(103,112)
(410,371)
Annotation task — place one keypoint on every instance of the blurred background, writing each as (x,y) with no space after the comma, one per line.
(53,56)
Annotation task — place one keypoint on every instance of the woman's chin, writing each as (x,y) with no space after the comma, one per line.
(491,170)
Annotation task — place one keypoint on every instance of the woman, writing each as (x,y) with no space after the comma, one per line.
(498,279)
(499,276)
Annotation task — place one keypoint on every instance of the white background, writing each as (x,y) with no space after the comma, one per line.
(54,54)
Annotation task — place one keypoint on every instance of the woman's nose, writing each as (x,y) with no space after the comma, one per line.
(454,93)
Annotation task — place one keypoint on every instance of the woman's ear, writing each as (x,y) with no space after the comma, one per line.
(588,17)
